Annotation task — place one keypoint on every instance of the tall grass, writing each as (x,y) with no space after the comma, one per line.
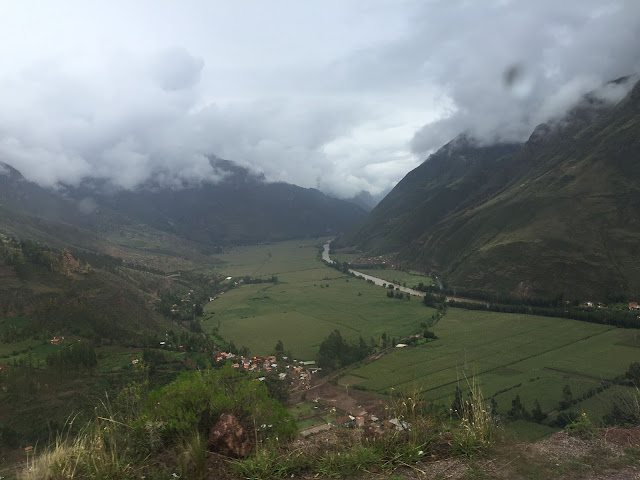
(477,429)
(100,450)
(192,459)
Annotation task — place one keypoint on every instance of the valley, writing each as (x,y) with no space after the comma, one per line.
(508,354)
(320,240)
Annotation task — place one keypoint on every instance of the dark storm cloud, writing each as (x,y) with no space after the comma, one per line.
(340,95)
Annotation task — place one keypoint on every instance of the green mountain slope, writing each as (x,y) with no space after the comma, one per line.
(560,214)
(241,208)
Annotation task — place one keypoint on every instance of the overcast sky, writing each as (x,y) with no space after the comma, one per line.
(338,95)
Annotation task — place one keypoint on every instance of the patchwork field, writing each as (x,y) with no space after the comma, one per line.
(514,354)
(510,354)
(309,301)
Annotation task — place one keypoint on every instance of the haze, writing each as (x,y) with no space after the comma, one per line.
(342,96)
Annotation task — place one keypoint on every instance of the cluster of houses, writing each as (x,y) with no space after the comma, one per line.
(374,427)
(298,373)
(602,306)
(379,260)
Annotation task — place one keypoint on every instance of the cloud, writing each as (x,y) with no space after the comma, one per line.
(340,96)
(176,69)
(515,65)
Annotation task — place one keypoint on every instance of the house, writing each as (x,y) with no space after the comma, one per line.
(28,449)
(54,341)
(401,345)
(359,421)
(135,361)
(633,306)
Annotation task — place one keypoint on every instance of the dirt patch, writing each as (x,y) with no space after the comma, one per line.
(350,401)
(560,447)
(623,437)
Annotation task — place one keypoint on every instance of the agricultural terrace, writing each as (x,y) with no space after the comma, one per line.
(309,301)
(514,354)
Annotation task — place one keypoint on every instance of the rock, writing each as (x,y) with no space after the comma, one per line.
(227,437)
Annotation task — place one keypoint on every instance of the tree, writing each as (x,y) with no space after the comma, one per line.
(493,406)
(537,415)
(428,334)
(567,398)
(278,389)
(517,409)
(279,349)
(456,405)
(633,374)
(335,352)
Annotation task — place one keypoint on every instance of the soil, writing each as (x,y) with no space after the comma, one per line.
(351,401)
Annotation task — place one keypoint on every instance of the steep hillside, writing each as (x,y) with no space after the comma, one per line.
(560,214)
(58,294)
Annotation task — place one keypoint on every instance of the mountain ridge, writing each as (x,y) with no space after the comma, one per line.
(557,214)
(241,208)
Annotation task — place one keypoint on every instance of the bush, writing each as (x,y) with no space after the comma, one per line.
(195,401)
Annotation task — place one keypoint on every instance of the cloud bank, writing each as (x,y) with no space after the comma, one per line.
(339,95)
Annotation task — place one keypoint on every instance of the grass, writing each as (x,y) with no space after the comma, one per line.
(533,357)
(398,277)
(309,301)
(310,414)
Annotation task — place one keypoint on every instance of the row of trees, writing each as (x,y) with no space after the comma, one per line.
(75,356)
(624,319)
(335,352)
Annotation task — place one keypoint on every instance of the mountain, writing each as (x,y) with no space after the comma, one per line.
(364,200)
(242,207)
(558,214)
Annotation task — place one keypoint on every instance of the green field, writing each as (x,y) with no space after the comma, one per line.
(518,354)
(309,301)
(398,276)
(534,357)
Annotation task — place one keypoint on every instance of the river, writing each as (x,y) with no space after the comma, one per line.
(376,280)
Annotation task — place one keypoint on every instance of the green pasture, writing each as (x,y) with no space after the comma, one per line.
(530,356)
(600,404)
(270,259)
(398,276)
(309,301)
(309,414)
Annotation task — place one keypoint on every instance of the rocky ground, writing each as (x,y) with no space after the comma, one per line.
(610,454)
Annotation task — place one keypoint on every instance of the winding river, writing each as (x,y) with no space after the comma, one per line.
(376,280)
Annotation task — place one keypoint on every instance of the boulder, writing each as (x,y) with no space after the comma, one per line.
(227,437)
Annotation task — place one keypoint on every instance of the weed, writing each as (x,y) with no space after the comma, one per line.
(477,427)
(193,457)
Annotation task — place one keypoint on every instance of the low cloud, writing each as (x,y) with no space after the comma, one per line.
(352,101)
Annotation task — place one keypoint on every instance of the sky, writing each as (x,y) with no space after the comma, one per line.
(339,95)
